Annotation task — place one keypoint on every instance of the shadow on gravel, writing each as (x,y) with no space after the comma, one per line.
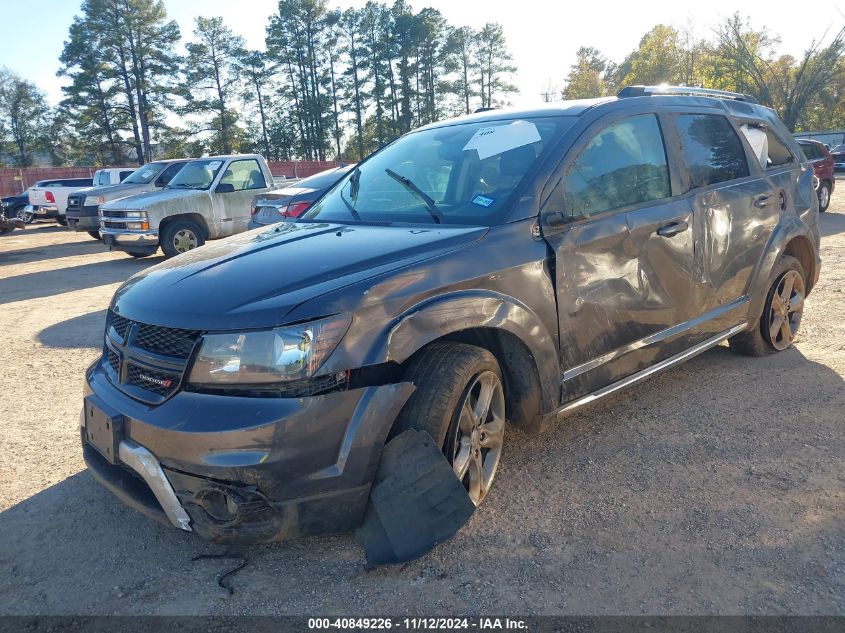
(831,223)
(84,331)
(51,251)
(54,282)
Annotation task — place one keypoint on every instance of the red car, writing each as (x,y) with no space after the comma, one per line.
(824,168)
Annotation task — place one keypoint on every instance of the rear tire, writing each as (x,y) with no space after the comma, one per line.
(139,255)
(460,402)
(96,235)
(824,196)
(61,221)
(765,339)
(181,236)
(26,216)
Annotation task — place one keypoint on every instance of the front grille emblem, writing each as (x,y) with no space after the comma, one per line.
(161,382)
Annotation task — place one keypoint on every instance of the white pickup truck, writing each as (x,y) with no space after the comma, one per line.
(209,198)
(48,198)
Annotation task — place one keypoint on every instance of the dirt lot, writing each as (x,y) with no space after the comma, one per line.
(718,487)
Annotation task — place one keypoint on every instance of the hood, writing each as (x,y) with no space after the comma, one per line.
(113,191)
(254,279)
(145,200)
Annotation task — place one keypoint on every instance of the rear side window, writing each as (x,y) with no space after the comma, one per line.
(622,165)
(711,149)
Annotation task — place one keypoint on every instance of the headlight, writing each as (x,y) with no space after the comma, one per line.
(282,354)
(136,214)
(93,201)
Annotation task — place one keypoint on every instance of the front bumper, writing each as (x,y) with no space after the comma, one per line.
(249,470)
(129,240)
(83,224)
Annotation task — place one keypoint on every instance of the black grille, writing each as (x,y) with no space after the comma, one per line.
(114,225)
(167,341)
(119,323)
(157,382)
(114,361)
(108,213)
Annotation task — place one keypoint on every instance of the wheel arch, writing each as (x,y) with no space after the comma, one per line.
(197,218)
(790,238)
(525,349)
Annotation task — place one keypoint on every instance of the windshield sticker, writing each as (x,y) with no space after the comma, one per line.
(490,141)
(483,201)
(214,164)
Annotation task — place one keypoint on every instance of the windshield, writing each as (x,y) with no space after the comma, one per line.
(461,174)
(198,174)
(144,175)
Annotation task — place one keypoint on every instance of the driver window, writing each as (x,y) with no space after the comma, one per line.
(624,164)
(243,175)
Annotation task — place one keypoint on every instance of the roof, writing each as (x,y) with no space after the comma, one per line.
(573,107)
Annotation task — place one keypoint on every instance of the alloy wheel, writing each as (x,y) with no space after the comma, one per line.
(824,197)
(479,435)
(26,216)
(184,240)
(786,308)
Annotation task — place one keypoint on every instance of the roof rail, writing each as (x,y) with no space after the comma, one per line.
(648,91)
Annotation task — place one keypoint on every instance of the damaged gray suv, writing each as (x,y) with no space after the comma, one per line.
(510,265)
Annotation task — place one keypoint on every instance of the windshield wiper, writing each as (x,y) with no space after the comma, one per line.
(422,195)
(349,206)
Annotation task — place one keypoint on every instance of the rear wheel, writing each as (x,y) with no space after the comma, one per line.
(824,196)
(776,329)
(26,216)
(460,402)
(181,236)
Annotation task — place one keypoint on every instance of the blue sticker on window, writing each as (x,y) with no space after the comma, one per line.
(483,201)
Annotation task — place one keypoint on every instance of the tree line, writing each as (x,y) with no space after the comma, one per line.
(808,92)
(335,83)
(331,83)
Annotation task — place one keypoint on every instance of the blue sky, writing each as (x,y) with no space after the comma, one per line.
(543,35)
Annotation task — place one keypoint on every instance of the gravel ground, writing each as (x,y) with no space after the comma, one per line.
(717,488)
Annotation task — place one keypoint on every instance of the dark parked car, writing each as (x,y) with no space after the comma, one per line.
(824,168)
(507,265)
(12,204)
(293,201)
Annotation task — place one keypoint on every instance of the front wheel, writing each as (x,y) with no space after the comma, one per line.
(181,236)
(824,196)
(460,402)
(777,327)
(96,235)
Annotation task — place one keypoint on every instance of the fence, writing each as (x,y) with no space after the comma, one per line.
(13,181)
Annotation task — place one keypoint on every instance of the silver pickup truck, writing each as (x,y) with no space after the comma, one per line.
(82,206)
(208,199)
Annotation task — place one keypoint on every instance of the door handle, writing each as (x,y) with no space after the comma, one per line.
(761,201)
(670,230)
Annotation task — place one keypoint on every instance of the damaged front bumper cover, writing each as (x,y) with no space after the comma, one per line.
(305,468)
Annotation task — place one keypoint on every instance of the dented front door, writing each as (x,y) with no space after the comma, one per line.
(623,246)
(622,287)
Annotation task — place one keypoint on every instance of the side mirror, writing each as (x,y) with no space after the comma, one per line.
(225,187)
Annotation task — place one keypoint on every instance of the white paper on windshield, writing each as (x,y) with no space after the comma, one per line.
(214,164)
(489,141)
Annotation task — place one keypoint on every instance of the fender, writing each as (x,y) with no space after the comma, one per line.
(787,229)
(467,309)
